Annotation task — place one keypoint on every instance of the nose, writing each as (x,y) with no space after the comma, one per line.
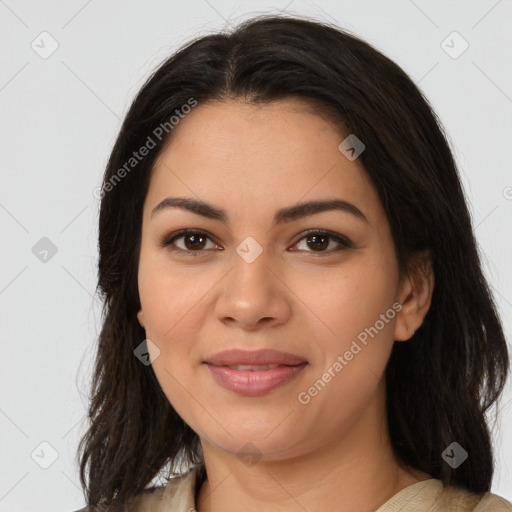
(254,294)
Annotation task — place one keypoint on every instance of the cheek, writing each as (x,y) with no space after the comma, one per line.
(170,314)
(357,319)
(174,303)
(168,295)
(351,300)
(351,358)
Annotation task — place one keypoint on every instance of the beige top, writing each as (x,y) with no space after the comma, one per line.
(425,496)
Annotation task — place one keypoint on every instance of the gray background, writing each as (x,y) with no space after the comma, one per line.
(59,118)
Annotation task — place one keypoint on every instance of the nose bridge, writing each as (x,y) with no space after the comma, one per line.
(252,291)
(251,271)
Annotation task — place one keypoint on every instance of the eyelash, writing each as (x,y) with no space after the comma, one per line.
(168,240)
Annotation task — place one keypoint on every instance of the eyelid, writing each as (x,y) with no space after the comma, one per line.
(168,240)
(343,241)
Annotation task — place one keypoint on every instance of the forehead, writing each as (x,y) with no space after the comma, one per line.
(291,128)
(256,156)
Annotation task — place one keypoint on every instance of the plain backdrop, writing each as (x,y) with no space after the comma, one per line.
(69,71)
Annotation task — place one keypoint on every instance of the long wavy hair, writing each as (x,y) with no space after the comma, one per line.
(440,385)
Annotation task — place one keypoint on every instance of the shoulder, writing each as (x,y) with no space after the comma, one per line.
(176,495)
(432,496)
(460,499)
(146,501)
(494,503)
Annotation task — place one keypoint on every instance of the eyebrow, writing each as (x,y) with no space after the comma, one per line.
(281,216)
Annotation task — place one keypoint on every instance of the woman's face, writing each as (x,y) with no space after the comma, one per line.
(252,282)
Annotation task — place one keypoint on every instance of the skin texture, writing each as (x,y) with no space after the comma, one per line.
(250,161)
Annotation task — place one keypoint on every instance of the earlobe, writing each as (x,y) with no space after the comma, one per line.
(416,293)
(403,330)
(140,317)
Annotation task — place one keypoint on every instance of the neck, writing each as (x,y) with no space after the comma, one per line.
(357,472)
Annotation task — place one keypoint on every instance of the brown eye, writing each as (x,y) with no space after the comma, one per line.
(319,241)
(192,241)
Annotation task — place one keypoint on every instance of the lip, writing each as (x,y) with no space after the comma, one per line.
(254,382)
(254,357)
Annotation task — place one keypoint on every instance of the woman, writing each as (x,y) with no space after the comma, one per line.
(295,311)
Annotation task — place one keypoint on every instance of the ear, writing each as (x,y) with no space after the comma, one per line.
(140,317)
(415,296)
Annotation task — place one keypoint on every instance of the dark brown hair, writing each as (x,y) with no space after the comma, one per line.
(439,385)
